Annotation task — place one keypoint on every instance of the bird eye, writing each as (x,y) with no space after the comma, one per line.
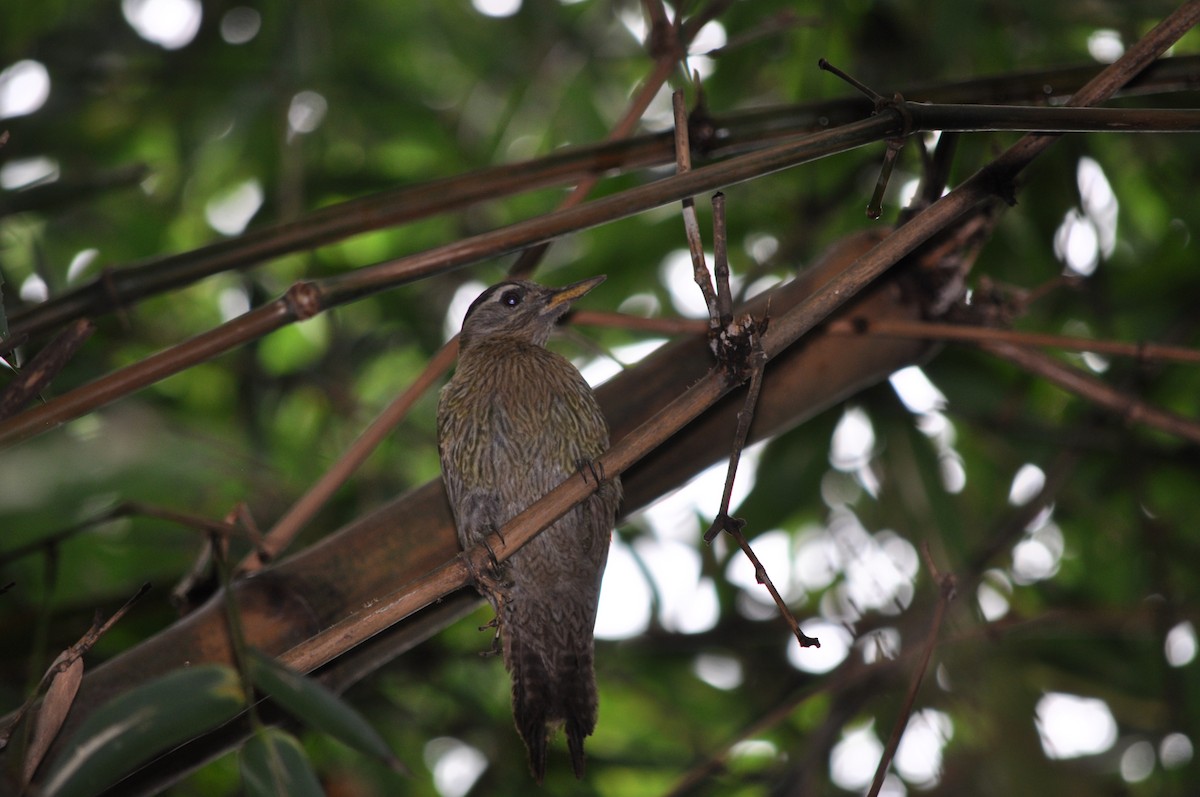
(510,298)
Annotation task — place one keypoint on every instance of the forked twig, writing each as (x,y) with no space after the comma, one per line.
(738,349)
(894,145)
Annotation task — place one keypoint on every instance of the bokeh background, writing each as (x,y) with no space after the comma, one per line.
(150,127)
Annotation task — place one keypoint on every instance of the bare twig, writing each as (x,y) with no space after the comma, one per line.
(871,94)
(721,262)
(1086,386)
(664,64)
(288,526)
(947,587)
(723,520)
(683,164)
(1143,352)
(39,372)
(745,130)
(123,509)
(732,348)
(760,574)
(67,659)
(666,326)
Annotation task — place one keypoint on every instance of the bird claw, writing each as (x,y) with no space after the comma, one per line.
(486,576)
(494,650)
(494,562)
(592,466)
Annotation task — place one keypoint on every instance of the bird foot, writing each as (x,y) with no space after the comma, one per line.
(494,650)
(486,576)
(593,466)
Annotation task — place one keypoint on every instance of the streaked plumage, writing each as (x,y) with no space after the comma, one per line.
(514,422)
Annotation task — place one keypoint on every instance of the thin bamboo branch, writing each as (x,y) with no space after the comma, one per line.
(301,512)
(313,297)
(946,592)
(739,131)
(783,332)
(922,330)
(665,326)
(157,366)
(1097,391)
(691,226)
(528,260)
(306,299)
(124,509)
(42,369)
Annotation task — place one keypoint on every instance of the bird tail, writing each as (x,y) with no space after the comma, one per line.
(543,699)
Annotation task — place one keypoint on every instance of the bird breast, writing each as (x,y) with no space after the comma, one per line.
(519,419)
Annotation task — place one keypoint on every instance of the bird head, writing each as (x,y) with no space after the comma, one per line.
(520,310)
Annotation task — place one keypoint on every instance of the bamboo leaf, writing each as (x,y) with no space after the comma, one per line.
(319,708)
(137,725)
(274,765)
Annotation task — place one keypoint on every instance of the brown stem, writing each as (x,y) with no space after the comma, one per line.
(301,512)
(724,302)
(528,260)
(723,521)
(1086,386)
(667,326)
(125,509)
(691,227)
(744,130)
(1144,352)
(42,369)
(946,590)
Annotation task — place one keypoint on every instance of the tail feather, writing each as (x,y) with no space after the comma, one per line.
(530,690)
(577,693)
(575,735)
(542,700)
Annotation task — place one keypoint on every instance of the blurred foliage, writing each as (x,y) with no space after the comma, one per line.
(416,91)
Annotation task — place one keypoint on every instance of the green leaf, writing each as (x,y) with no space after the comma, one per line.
(275,765)
(318,707)
(138,725)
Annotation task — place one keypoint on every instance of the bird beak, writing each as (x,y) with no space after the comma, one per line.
(561,299)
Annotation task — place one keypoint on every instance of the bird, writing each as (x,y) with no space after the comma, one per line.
(514,421)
